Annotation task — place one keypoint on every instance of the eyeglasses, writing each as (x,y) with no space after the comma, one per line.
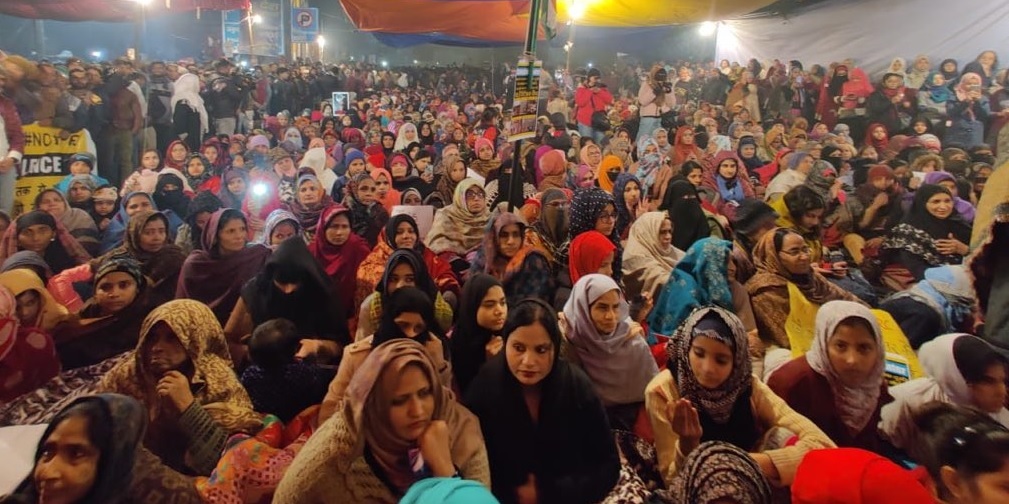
(558,204)
(475,195)
(607,216)
(797,252)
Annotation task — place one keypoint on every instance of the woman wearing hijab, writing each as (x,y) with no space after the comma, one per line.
(405,135)
(960,369)
(169,195)
(684,149)
(189,116)
(839,384)
(373,450)
(340,252)
(524,271)
(892,104)
(630,202)
(707,393)
(985,66)
(291,286)
(650,255)
(40,232)
(684,209)
(931,234)
(591,252)
(367,213)
(963,207)
(402,233)
(595,210)
(485,163)
(308,204)
(280,225)
(526,398)
(607,172)
(705,276)
(450,172)
(590,156)
(215,275)
(234,187)
(200,174)
(408,313)
(609,347)
(782,257)
(405,268)
(182,373)
(110,430)
(27,353)
(77,222)
(459,228)
(830,96)
(969,110)
(115,234)
(717,472)
(476,337)
(729,178)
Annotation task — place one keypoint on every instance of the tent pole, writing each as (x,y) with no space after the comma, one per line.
(40,37)
(515,196)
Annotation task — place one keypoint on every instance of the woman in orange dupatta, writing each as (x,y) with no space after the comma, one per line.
(523,269)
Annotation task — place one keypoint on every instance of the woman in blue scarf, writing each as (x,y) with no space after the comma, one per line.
(943,302)
(134,202)
(728,176)
(701,278)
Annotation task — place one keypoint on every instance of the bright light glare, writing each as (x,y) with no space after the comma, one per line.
(244,63)
(96,54)
(321,41)
(256,18)
(578,8)
(259,189)
(385,63)
(143,2)
(414,62)
(707,28)
(590,64)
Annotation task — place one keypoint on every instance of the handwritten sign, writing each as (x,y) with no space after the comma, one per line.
(45,162)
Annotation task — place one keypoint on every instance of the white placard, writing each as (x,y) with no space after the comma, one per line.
(422,214)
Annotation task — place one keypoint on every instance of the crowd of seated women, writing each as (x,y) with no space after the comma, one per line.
(707,313)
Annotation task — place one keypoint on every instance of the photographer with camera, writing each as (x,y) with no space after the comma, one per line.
(592,99)
(224,97)
(968,112)
(655,98)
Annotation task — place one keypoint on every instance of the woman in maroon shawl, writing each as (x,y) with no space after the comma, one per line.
(340,252)
(216,274)
(831,92)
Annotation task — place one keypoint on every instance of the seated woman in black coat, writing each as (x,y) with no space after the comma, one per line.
(291,286)
(548,439)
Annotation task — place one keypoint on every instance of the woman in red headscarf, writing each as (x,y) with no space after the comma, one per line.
(340,252)
(590,252)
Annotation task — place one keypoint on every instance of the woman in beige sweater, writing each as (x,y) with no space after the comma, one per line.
(707,393)
(398,425)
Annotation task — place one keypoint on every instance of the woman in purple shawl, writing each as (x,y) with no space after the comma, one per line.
(947,180)
(216,274)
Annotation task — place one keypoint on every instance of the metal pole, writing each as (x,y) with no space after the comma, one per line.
(40,37)
(515,196)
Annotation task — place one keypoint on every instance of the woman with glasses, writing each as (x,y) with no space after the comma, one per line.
(459,228)
(522,269)
(782,257)
(595,210)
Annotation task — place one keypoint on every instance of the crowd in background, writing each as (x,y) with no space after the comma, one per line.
(698,282)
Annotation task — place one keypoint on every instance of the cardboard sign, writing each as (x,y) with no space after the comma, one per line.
(45,162)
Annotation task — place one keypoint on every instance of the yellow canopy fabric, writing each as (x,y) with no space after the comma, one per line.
(637,13)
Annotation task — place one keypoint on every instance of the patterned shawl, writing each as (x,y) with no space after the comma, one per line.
(719,472)
(723,326)
(699,279)
(455,229)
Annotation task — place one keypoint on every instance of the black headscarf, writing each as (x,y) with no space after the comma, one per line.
(405,300)
(56,254)
(116,427)
(388,152)
(753,162)
(689,222)
(949,76)
(422,277)
(173,199)
(393,225)
(312,307)
(938,229)
(469,339)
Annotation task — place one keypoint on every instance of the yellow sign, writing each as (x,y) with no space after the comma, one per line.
(45,162)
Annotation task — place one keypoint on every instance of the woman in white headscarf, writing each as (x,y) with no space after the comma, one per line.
(609,346)
(189,115)
(839,383)
(961,369)
(650,255)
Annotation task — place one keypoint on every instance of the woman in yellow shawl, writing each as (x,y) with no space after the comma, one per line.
(181,371)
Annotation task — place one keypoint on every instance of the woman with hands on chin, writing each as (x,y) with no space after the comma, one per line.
(397,425)
(181,371)
(707,393)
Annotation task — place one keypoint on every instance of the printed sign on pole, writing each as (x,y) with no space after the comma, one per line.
(525,106)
